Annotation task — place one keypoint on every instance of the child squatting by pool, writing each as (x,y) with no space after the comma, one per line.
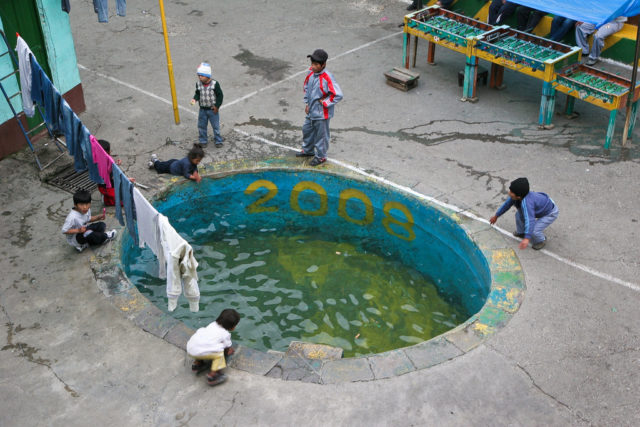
(209,346)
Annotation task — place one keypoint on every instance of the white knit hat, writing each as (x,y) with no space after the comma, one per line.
(204,69)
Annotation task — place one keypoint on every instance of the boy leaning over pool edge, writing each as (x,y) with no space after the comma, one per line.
(535,212)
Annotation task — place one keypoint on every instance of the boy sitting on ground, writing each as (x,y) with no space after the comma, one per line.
(81,234)
(210,345)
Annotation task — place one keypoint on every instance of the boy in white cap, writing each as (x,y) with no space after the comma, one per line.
(321,93)
(209,96)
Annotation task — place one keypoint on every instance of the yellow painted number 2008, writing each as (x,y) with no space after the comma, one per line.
(256,206)
(393,223)
(407,225)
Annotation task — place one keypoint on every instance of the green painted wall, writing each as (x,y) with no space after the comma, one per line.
(60,51)
(10,85)
(59,42)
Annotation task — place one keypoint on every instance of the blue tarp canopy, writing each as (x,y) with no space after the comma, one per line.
(597,12)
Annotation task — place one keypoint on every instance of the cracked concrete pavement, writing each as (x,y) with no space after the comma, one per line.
(570,356)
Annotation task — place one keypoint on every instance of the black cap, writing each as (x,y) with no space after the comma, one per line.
(319,56)
(519,187)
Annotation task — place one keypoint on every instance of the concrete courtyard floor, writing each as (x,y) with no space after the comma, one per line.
(570,355)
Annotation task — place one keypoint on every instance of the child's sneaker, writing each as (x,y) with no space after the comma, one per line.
(539,245)
(216,379)
(317,161)
(112,234)
(154,158)
(82,247)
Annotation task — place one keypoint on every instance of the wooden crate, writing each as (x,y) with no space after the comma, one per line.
(402,78)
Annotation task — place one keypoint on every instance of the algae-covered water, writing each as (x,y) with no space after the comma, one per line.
(303,287)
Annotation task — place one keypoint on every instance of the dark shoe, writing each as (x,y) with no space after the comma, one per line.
(219,144)
(317,161)
(518,235)
(303,154)
(199,366)
(412,7)
(539,245)
(216,379)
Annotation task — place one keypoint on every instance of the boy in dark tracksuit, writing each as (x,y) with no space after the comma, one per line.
(209,96)
(321,93)
(536,211)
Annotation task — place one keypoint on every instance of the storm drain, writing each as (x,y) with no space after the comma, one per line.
(70,180)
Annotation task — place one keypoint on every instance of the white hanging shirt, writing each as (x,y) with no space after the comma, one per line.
(182,266)
(148,230)
(24,66)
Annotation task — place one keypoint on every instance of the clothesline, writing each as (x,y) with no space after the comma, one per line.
(144,223)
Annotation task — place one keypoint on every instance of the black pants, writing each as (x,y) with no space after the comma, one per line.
(528,18)
(98,236)
(499,12)
(163,167)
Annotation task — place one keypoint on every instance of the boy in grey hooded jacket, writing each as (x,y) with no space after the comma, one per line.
(321,93)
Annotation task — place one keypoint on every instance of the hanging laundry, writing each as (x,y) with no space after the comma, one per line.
(102,160)
(46,95)
(124,194)
(59,115)
(148,229)
(24,66)
(101,7)
(66,7)
(78,142)
(182,275)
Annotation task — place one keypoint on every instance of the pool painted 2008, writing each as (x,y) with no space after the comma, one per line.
(421,251)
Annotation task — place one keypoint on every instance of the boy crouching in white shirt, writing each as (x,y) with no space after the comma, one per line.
(80,233)
(211,344)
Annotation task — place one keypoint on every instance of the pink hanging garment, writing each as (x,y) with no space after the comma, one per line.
(103,160)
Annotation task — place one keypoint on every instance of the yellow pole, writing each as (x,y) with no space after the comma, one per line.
(174,98)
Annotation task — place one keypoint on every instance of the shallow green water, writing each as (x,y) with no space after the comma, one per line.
(290,287)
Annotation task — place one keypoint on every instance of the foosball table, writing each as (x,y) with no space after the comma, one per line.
(525,53)
(599,88)
(556,64)
(445,28)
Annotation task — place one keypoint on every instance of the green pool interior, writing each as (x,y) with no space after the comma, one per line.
(297,275)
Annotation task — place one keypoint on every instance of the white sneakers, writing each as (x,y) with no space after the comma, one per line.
(82,247)
(112,234)
(154,158)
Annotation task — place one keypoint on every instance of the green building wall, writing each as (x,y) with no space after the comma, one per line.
(61,58)
(10,85)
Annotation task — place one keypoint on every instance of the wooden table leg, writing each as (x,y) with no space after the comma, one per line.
(610,129)
(415,50)
(406,45)
(632,120)
(431,53)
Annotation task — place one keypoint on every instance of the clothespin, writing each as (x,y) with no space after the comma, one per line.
(17,34)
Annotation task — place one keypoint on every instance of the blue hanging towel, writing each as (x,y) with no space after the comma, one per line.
(123,189)
(45,95)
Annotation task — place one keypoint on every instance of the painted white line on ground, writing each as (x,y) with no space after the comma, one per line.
(130,86)
(582,267)
(242,98)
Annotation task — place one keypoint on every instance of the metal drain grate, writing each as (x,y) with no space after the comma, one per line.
(70,180)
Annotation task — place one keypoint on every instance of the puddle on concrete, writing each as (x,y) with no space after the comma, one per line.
(271,69)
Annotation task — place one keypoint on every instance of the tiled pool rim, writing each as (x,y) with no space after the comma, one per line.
(505,297)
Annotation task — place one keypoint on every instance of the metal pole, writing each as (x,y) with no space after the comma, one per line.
(632,91)
(174,98)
